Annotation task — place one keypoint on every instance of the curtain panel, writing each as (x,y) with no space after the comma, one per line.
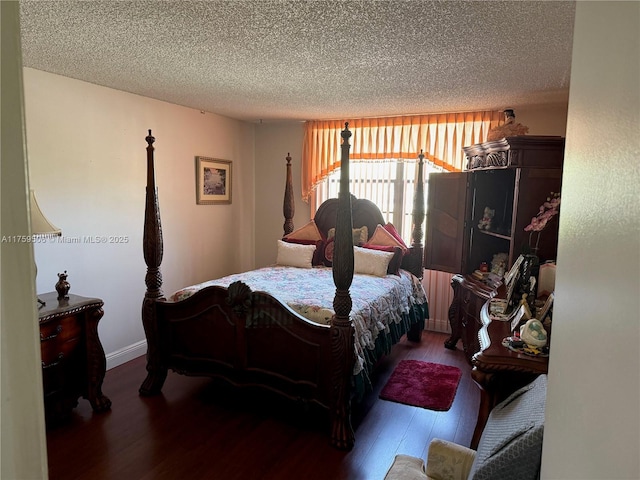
(440,136)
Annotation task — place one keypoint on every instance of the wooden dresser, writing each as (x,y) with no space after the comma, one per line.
(73,360)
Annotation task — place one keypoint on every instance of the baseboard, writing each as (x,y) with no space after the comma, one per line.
(126,354)
(438,325)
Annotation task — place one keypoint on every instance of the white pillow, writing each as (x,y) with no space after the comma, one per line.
(371,262)
(295,255)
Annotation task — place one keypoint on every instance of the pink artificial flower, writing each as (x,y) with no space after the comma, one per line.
(549,209)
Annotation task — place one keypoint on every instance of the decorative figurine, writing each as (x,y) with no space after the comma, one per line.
(485,222)
(533,333)
(62,287)
(499,264)
(509,128)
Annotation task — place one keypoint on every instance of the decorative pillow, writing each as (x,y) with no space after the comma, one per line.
(307,232)
(328,252)
(295,255)
(389,227)
(396,260)
(382,237)
(360,235)
(371,262)
(318,255)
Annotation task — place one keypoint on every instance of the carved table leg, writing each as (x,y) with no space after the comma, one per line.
(487,402)
(96,363)
(454,315)
(454,323)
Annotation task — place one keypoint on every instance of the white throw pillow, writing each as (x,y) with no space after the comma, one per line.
(295,255)
(371,262)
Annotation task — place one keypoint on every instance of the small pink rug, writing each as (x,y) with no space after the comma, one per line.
(422,384)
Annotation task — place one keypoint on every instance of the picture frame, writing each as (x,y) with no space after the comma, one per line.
(546,307)
(511,285)
(213,181)
(511,274)
(517,318)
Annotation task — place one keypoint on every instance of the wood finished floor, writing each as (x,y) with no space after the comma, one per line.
(201,429)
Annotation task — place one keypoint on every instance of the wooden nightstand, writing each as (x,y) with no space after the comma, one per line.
(73,361)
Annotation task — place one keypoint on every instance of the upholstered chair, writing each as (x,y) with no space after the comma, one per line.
(510,446)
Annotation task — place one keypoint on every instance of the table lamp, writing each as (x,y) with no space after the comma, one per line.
(41,226)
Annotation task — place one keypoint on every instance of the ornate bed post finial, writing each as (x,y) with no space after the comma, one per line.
(288,207)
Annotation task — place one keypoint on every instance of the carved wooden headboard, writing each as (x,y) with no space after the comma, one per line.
(363,211)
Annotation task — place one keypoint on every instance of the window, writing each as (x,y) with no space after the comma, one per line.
(390,184)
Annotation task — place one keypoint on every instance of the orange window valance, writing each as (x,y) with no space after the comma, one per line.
(440,136)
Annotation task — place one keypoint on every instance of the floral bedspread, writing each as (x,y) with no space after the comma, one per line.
(377,301)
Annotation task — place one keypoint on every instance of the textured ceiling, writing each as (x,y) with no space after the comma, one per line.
(301,60)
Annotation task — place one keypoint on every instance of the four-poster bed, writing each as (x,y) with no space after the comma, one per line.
(252,338)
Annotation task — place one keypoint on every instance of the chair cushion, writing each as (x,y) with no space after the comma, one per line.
(405,467)
(511,444)
(448,460)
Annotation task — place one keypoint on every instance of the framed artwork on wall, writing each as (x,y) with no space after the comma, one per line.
(213,181)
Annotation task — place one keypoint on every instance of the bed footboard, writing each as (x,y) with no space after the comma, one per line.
(230,333)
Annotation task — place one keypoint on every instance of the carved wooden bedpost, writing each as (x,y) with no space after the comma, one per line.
(417,252)
(152,248)
(342,331)
(288,207)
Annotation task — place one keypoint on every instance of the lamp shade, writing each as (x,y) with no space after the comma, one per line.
(39,223)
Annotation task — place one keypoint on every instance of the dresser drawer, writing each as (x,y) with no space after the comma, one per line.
(59,338)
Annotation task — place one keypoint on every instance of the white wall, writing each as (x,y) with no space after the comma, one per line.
(592,426)
(23,448)
(86,147)
(543,119)
(273,142)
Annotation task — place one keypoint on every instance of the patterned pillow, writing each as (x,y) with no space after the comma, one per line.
(360,236)
(328,252)
(371,262)
(295,255)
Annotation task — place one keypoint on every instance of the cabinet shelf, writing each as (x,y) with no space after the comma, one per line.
(494,234)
